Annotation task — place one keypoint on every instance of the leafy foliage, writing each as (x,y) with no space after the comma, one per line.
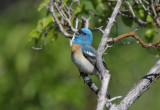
(91,9)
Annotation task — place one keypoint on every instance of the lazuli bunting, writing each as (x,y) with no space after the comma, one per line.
(83,54)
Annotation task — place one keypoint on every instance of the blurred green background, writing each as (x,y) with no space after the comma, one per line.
(48,80)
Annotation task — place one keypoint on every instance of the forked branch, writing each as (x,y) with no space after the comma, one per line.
(65,20)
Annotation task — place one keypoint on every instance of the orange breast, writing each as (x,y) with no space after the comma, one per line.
(76,47)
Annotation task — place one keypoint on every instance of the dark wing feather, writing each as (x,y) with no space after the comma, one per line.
(90,53)
(90,57)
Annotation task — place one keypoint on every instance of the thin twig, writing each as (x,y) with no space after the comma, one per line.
(57,21)
(155,19)
(85,22)
(100,29)
(130,8)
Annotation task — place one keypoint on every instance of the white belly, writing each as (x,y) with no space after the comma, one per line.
(83,65)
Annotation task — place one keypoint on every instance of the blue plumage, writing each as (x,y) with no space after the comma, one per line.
(83,37)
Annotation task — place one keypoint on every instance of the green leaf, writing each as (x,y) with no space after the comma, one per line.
(78,10)
(99,20)
(40,25)
(43,4)
(141,12)
(88,5)
(34,34)
(43,23)
(149,18)
(46,21)
(150,33)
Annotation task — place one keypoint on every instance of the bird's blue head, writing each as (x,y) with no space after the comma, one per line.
(83,36)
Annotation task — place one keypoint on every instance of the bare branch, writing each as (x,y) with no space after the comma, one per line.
(138,20)
(76,27)
(139,88)
(133,16)
(51,8)
(114,98)
(85,22)
(155,19)
(62,13)
(134,35)
(130,8)
(100,29)
(153,8)
(104,72)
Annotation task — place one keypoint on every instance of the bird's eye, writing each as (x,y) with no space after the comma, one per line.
(84,33)
(81,32)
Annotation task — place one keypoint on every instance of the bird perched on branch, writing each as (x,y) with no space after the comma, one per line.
(83,54)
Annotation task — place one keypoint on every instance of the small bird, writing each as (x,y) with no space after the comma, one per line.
(83,54)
